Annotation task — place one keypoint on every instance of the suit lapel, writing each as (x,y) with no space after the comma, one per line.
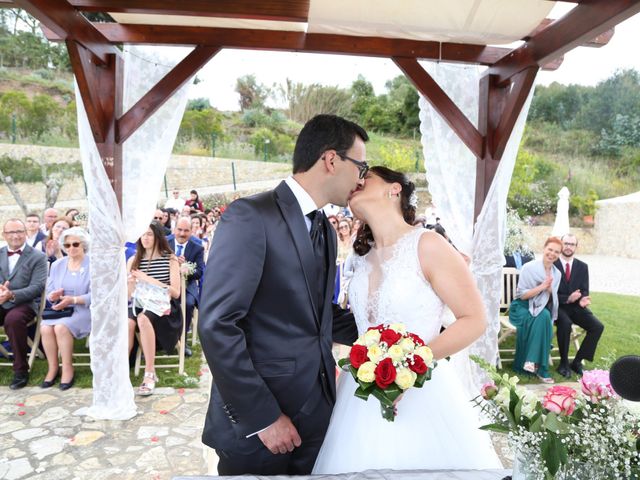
(4,263)
(332,252)
(286,201)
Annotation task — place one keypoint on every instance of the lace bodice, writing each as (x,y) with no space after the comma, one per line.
(388,286)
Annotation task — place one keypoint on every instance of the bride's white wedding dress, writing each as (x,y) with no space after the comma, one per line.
(436,426)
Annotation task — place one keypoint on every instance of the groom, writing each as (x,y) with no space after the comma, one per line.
(266,320)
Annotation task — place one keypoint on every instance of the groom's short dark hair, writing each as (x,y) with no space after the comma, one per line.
(321,133)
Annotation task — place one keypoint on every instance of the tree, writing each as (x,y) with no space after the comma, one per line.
(198,104)
(306,101)
(252,94)
(363,97)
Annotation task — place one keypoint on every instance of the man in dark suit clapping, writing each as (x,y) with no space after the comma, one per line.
(573,295)
(23,276)
(267,323)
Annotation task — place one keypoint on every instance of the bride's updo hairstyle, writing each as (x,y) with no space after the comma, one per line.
(364,237)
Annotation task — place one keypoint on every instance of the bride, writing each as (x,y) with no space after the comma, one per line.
(406,274)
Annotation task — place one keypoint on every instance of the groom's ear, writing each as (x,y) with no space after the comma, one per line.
(328,158)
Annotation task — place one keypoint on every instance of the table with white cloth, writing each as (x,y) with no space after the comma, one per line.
(377,475)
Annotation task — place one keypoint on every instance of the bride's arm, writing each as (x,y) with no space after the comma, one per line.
(451,279)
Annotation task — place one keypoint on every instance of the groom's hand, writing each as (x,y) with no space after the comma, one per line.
(281,436)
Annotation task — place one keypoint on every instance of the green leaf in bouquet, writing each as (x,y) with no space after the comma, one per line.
(363,394)
(344,362)
(393,392)
(517,410)
(366,386)
(496,427)
(420,379)
(536,423)
(354,372)
(553,424)
(513,401)
(379,394)
(550,452)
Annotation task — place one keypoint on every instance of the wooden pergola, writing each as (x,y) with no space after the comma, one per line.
(98,62)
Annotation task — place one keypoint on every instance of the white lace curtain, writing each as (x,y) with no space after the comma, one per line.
(451,173)
(145,157)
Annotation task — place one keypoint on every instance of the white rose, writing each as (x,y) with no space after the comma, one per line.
(366,372)
(405,378)
(396,353)
(398,327)
(371,337)
(360,341)
(426,354)
(375,353)
(407,345)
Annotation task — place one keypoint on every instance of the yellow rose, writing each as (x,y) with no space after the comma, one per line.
(375,353)
(371,337)
(405,378)
(426,354)
(366,372)
(396,353)
(398,327)
(407,345)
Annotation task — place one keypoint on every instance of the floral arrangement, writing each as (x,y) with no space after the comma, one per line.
(187,269)
(387,360)
(568,434)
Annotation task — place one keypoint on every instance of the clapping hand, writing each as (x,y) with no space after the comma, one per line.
(546,285)
(64,302)
(585,302)
(574,296)
(56,295)
(140,276)
(5,293)
(52,248)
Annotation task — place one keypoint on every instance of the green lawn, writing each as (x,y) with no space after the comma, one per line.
(620,315)
(169,377)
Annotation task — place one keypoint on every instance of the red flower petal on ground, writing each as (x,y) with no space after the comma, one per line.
(181,391)
(163,412)
(154,439)
(21,404)
(21,412)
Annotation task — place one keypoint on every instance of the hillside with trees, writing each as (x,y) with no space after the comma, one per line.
(572,131)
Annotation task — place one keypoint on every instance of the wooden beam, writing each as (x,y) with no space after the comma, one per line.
(586,21)
(60,17)
(282,10)
(520,90)
(295,41)
(162,91)
(597,42)
(438,98)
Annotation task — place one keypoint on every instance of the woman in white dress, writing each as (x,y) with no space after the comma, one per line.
(407,274)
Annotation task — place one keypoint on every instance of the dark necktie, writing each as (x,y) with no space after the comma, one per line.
(179,250)
(318,242)
(567,272)
(17,252)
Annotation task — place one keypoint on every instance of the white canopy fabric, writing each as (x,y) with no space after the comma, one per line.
(481,22)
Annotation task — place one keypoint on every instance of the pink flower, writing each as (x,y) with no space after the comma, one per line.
(488,390)
(560,400)
(595,384)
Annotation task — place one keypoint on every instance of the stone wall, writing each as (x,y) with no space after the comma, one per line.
(617,225)
(538,235)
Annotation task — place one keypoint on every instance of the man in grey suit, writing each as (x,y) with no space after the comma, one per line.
(23,277)
(266,319)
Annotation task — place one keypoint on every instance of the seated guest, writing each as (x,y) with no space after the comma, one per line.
(573,294)
(49,216)
(23,275)
(155,264)
(534,310)
(194,202)
(71,216)
(34,234)
(51,245)
(69,286)
(188,251)
(159,217)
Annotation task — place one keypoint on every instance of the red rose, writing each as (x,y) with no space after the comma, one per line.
(377,327)
(416,339)
(418,365)
(389,336)
(358,355)
(385,373)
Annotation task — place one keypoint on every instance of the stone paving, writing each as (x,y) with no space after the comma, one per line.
(43,435)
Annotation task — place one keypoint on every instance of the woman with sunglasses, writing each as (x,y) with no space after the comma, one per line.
(68,286)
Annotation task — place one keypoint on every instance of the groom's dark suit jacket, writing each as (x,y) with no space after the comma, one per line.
(579,280)
(265,338)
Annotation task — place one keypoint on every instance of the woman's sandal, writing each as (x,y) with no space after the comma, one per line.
(547,380)
(148,384)
(529,367)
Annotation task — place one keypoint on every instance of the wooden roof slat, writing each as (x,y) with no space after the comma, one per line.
(69,24)
(281,10)
(586,21)
(597,42)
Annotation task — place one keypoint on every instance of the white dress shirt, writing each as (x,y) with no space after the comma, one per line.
(13,259)
(307,205)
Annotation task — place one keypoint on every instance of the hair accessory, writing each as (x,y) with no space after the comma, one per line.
(413,200)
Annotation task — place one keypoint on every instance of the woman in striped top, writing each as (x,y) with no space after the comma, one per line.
(154,263)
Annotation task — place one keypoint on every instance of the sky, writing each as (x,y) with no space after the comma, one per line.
(585,66)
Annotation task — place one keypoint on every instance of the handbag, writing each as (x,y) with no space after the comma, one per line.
(150,297)
(49,313)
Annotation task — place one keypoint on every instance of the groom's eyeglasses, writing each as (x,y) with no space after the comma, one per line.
(363,167)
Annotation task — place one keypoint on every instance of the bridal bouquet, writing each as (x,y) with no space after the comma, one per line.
(387,360)
(567,434)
